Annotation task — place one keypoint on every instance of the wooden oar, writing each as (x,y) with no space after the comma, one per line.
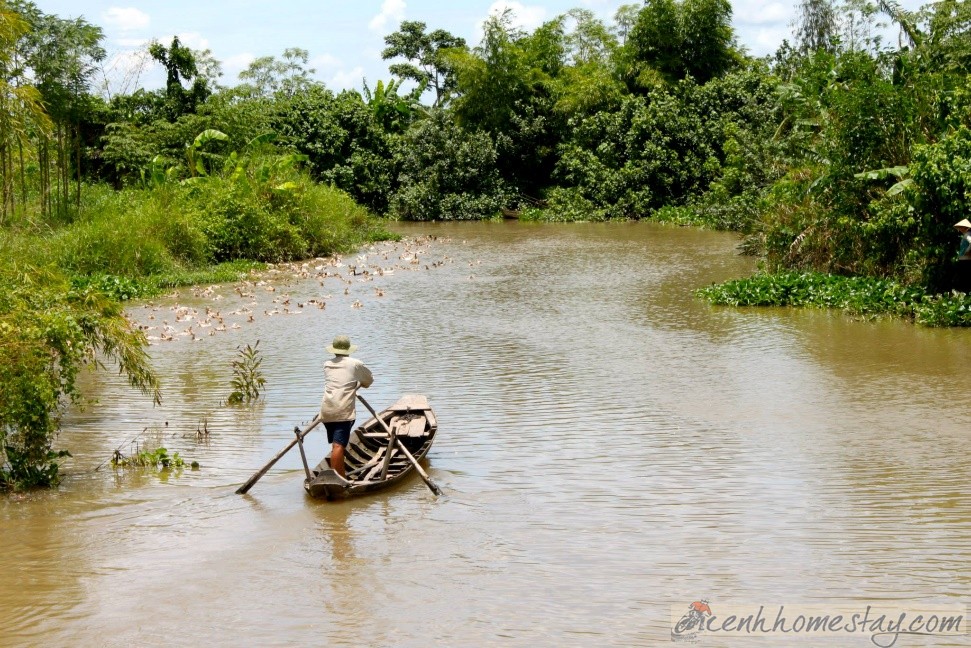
(262,471)
(303,455)
(387,455)
(391,438)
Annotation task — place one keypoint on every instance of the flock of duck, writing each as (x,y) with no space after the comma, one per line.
(170,323)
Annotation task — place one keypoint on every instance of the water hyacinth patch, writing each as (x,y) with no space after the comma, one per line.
(856,295)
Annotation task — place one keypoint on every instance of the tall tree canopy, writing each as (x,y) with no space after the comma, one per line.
(677,38)
(180,65)
(268,75)
(816,27)
(427,58)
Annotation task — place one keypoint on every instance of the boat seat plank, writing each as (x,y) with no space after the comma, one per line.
(412,402)
(414,428)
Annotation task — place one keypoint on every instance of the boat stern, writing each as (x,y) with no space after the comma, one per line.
(327,484)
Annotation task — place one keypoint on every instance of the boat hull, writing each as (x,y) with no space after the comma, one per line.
(414,424)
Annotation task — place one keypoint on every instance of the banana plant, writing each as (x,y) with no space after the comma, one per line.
(390,109)
(900,172)
(158,172)
(195,154)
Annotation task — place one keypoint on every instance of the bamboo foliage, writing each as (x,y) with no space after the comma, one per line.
(46,64)
(21,109)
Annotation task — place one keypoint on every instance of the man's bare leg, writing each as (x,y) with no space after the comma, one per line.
(337,458)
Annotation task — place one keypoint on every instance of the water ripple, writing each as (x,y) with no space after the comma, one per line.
(610,446)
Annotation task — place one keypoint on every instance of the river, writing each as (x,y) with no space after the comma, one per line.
(611,449)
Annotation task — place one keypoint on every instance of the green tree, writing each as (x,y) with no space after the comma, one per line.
(446,173)
(590,40)
(586,82)
(653,151)
(180,66)
(208,67)
(859,26)
(427,58)
(392,111)
(51,330)
(816,26)
(62,57)
(624,20)
(21,109)
(652,51)
(268,75)
(342,139)
(673,39)
(949,44)
(506,88)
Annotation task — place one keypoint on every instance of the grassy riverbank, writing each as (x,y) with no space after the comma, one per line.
(63,278)
(177,234)
(863,296)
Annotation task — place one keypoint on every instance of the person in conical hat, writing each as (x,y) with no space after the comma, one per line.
(343,375)
(961,271)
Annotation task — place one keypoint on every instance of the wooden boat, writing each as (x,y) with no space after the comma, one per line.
(410,420)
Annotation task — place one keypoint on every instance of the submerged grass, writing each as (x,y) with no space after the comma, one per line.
(866,296)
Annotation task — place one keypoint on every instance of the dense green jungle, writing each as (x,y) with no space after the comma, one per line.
(843,160)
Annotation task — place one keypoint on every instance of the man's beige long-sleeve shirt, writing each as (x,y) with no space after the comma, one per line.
(342,376)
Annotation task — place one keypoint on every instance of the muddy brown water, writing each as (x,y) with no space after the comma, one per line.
(610,446)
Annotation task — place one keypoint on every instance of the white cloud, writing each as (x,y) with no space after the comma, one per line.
(325,62)
(236,63)
(762,12)
(766,40)
(523,16)
(193,40)
(392,13)
(346,79)
(126,18)
(132,43)
(762,25)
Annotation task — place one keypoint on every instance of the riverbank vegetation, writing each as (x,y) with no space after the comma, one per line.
(843,153)
(860,296)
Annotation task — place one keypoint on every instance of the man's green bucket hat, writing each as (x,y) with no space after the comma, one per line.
(342,346)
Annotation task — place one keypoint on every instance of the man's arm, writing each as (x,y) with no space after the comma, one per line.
(364,376)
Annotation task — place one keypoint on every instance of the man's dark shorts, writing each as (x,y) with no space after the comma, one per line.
(339,432)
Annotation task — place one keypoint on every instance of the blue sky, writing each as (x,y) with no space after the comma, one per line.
(344,38)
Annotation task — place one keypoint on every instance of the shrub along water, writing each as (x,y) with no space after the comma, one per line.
(63,311)
(248,381)
(49,330)
(260,209)
(154,458)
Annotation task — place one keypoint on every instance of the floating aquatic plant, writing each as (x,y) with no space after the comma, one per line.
(154,458)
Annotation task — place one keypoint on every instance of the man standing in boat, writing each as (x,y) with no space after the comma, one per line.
(343,375)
